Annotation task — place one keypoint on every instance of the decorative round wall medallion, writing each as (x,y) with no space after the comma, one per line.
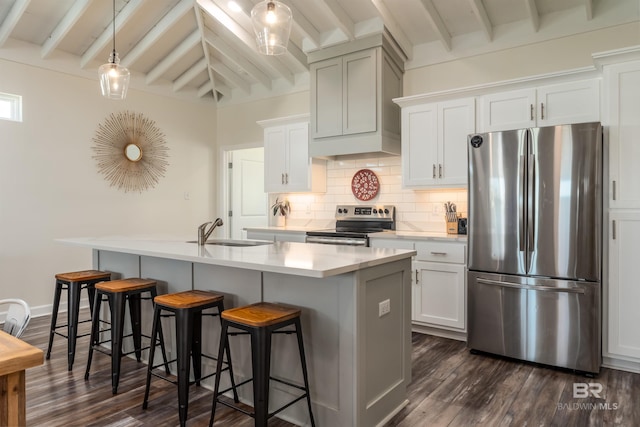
(131,151)
(365,184)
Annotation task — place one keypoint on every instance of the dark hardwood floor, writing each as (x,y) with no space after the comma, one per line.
(450,387)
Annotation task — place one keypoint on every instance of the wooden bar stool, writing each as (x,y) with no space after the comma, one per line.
(117,292)
(73,283)
(188,307)
(260,321)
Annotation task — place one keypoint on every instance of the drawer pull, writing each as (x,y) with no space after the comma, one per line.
(438,253)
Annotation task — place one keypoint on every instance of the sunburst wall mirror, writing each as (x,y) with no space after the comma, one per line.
(131,152)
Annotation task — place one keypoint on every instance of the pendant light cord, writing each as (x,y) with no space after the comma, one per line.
(114,30)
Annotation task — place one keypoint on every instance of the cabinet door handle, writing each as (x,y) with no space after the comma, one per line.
(531,112)
(614,190)
(282,179)
(439,171)
(613,228)
(542,110)
(434,171)
(417,281)
(286,178)
(438,253)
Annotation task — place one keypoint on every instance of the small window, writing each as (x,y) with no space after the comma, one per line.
(10,107)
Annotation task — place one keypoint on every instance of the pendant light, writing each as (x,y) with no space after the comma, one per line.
(272,24)
(114,78)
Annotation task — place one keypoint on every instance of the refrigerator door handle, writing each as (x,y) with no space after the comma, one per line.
(542,288)
(521,218)
(531,202)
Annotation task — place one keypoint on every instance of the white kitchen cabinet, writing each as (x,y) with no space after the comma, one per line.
(623,290)
(287,166)
(623,122)
(438,290)
(434,143)
(440,285)
(562,103)
(351,99)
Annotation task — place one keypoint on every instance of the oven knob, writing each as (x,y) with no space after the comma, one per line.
(375,211)
(346,210)
(386,211)
(339,211)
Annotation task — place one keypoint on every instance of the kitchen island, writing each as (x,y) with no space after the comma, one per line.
(359,360)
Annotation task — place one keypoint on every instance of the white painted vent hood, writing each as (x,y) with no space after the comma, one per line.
(352,88)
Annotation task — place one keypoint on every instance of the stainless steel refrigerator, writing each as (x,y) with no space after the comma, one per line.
(535,245)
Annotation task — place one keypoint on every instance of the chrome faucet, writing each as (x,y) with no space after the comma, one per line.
(203,233)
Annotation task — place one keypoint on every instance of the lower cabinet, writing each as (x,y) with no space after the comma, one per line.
(439,289)
(623,294)
(439,294)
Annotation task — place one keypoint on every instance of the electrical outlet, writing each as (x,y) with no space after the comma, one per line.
(384,307)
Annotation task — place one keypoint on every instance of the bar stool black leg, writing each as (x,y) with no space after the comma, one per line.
(196,346)
(228,352)
(303,362)
(117,327)
(152,351)
(261,361)
(54,316)
(95,331)
(91,291)
(224,345)
(135,312)
(73,304)
(184,321)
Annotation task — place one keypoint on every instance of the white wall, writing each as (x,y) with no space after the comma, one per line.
(50,186)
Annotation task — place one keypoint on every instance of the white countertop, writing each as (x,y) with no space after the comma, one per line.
(419,235)
(396,234)
(301,259)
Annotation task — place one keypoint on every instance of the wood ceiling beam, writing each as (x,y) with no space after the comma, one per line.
(437,23)
(394,28)
(305,28)
(201,29)
(74,14)
(481,13)
(106,37)
(236,57)
(165,24)
(534,16)
(588,6)
(205,89)
(339,17)
(231,76)
(244,37)
(190,74)
(176,54)
(12,19)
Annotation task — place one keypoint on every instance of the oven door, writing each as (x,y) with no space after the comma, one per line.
(337,239)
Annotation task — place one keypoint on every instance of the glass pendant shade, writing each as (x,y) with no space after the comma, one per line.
(272,25)
(114,78)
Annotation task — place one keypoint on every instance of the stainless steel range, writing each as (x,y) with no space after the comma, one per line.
(354,223)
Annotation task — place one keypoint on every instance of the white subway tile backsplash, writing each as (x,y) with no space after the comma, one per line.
(417,210)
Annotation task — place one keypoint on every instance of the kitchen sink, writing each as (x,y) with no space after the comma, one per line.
(236,243)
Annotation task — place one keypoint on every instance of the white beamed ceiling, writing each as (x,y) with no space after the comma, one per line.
(203,50)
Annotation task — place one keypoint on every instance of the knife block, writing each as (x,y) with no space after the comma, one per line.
(451,219)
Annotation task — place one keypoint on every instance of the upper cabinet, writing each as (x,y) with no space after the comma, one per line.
(434,143)
(351,99)
(562,103)
(287,165)
(622,111)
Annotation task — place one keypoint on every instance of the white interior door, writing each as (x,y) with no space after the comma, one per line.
(248,201)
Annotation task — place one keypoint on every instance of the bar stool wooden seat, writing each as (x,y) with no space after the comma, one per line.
(188,307)
(260,321)
(117,293)
(73,282)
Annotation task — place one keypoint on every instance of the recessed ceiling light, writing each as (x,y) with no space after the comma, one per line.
(234,6)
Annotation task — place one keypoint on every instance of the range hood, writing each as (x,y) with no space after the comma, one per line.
(352,88)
